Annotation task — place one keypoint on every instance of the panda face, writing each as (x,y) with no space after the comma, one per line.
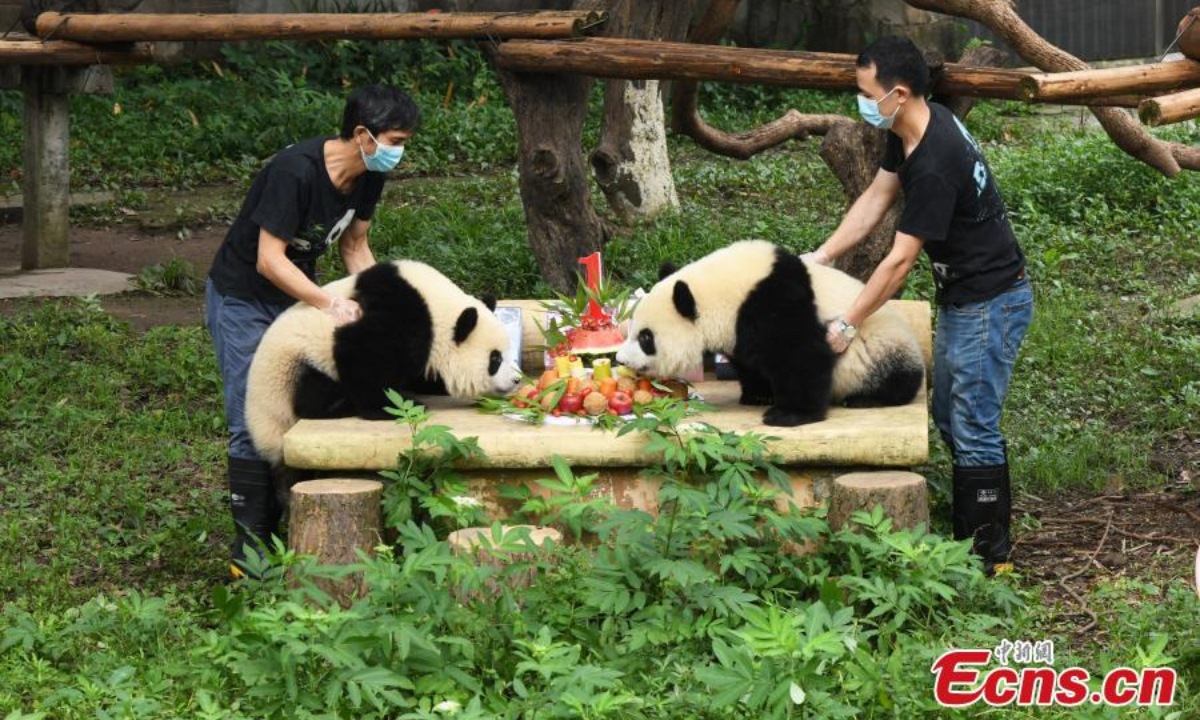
(479,360)
(664,337)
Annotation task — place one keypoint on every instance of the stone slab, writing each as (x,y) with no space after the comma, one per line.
(63,282)
(875,437)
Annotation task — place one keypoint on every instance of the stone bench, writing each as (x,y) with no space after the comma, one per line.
(517,452)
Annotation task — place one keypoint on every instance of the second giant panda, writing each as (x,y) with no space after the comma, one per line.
(768,310)
(416,326)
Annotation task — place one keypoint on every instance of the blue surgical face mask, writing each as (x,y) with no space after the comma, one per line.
(386,157)
(869,109)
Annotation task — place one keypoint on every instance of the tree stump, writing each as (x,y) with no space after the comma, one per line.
(331,520)
(479,544)
(902,494)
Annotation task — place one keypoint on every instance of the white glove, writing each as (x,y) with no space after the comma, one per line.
(816,257)
(343,311)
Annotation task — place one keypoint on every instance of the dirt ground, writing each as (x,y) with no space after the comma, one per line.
(127,248)
(1073,541)
(1065,543)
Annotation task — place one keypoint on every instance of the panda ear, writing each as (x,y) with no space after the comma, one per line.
(489,301)
(466,323)
(685,303)
(666,270)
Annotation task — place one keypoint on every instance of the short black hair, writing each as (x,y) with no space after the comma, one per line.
(896,60)
(379,108)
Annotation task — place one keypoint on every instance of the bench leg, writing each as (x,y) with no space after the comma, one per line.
(46,185)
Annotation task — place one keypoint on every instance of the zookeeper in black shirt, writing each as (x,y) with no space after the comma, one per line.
(954,211)
(311,195)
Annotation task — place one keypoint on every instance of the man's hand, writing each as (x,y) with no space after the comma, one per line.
(343,311)
(816,257)
(833,335)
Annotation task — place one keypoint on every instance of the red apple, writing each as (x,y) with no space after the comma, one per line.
(621,403)
(571,402)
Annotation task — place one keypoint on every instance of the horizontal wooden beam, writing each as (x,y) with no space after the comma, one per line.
(1168,109)
(1145,79)
(128,27)
(65,52)
(641,60)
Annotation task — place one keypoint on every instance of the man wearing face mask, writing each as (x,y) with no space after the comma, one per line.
(954,211)
(311,195)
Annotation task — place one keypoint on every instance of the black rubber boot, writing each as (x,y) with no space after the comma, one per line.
(983,511)
(255,508)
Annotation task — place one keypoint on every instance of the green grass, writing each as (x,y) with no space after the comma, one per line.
(112,458)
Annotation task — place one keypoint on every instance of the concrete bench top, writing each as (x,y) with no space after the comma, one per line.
(880,437)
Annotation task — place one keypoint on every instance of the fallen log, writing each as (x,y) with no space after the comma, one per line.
(1145,79)
(1168,109)
(64,52)
(129,27)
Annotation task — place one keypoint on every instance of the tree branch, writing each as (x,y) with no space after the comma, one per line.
(1001,17)
(686,118)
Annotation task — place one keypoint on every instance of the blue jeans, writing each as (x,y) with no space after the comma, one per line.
(973,358)
(236,327)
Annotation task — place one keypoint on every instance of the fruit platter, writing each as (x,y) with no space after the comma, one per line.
(602,395)
(581,384)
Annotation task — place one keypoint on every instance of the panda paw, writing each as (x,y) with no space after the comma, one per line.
(752,399)
(782,417)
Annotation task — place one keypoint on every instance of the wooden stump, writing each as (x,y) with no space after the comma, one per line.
(478,543)
(331,520)
(902,494)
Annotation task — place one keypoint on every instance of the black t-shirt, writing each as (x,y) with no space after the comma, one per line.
(953,204)
(295,200)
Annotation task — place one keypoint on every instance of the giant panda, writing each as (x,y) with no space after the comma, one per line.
(416,326)
(768,310)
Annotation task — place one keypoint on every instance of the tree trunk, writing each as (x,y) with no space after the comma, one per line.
(902,494)
(562,224)
(630,162)
(332,520)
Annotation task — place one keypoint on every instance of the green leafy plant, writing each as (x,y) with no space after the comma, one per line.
(173,277)
(425,484)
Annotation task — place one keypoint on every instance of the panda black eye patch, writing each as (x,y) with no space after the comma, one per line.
(646,341)
(494,361)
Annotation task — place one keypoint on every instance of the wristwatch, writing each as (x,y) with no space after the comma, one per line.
(847,330)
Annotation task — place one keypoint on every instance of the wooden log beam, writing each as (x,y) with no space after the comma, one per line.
(131,27)
(643,60)
(65,52)
(1168,109)
(1145,79)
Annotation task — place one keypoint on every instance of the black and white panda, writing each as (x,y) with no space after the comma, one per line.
(416,326)
(768,310)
